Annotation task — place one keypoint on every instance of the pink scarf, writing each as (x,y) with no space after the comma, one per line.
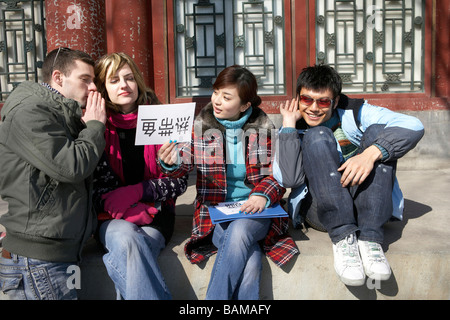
(128,121)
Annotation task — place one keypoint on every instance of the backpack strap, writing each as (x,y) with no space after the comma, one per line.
(353,104)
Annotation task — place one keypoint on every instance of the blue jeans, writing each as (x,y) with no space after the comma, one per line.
(237,270)
(372,200)
(132,260)
(23,278)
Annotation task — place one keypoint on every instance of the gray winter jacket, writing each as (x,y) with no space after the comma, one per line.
(47,157)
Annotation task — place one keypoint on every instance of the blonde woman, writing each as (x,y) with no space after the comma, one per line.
(137,200)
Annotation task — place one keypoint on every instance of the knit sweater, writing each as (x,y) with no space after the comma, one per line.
(236,171)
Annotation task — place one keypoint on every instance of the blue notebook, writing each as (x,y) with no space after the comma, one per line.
(228,211)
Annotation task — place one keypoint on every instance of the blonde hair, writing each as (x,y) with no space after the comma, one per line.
(108,65)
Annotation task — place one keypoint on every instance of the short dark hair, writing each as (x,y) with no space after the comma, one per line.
(318,78)
(63,59)
(244,80)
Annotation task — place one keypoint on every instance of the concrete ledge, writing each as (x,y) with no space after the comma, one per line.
(417,249)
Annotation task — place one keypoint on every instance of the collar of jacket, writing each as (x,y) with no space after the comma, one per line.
(36,93)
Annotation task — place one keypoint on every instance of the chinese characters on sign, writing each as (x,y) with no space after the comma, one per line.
(166,127)
(159,123)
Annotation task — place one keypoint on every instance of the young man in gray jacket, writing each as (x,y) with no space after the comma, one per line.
(48,152)
(339,155)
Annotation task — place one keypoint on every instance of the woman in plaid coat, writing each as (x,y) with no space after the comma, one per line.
(232,150)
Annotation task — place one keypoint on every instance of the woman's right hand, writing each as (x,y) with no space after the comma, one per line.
(168,153)
(290,113)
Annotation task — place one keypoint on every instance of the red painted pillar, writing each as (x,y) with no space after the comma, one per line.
(159,48)
(129,31)
(76,24)
(442,43)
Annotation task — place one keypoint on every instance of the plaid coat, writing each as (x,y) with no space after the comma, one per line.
(207,152)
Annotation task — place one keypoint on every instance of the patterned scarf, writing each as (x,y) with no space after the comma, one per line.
(348,149)
(49,87)
(127,121)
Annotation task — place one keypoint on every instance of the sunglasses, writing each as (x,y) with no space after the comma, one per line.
(321,103)
(57,53)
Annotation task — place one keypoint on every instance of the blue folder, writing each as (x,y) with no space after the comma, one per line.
(217,214)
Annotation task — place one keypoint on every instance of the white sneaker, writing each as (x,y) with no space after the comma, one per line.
(347,261)
(375,263)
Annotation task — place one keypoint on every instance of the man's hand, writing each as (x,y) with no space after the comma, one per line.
(357,168)
(290,113)
(95,108)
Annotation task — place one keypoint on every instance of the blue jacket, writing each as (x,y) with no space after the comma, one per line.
(401,134)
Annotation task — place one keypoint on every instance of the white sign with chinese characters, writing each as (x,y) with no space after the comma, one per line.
(158,124)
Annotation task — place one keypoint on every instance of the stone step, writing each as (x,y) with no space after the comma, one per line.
(417,249)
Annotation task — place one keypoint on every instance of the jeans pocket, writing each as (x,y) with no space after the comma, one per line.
(43,283)
(11,287)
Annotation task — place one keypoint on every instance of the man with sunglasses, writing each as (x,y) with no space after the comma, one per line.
(339,156)
(48,153)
